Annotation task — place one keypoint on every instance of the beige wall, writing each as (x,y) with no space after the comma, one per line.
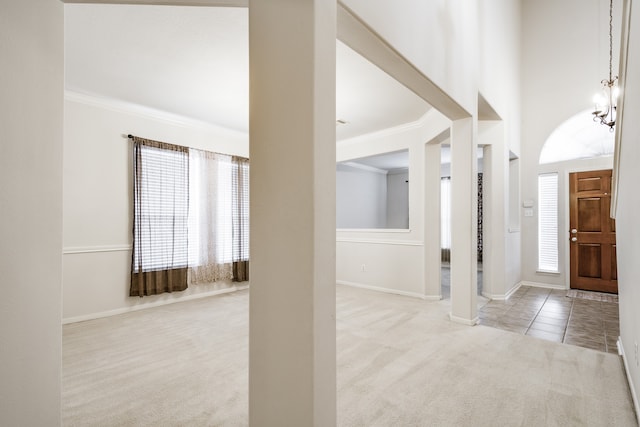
(97,200)
(31,86)
(628,230)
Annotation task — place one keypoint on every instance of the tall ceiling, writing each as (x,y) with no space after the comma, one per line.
(194,61)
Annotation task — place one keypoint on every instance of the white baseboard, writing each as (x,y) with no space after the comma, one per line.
(632,388)
(122,310)
(503,297)
(390,291)
(544,285)
(460,320)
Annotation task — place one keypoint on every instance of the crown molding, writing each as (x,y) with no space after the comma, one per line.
(125,107)
(356,165)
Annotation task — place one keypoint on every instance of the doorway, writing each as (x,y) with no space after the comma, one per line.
(592,232)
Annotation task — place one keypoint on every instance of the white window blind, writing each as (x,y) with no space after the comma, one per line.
(445,213)
(161,198)
(548,222)
(240,183)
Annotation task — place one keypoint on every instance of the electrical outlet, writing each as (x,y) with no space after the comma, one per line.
(364,268)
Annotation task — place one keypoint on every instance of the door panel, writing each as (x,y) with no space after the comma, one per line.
(589,256)
(589,214)
(592,235)
(590,183)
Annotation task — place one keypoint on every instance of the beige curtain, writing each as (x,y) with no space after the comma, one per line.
(217,224)
(160,217)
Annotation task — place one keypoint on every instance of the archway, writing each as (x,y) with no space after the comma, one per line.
(577,138)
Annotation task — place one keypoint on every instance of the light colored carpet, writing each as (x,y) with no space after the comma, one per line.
(400,363)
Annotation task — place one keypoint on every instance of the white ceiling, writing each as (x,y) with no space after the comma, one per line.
(386,161)
(193,61)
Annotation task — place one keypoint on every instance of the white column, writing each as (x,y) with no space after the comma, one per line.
(464,214)
(495,187)
(31,133)
(292,342)
(432,244)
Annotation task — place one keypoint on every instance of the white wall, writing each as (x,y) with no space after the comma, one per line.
(97,199)
(499,81)
(361,197)
(628,230)
(499,69)
(31,86)
(439,37)
(397,203)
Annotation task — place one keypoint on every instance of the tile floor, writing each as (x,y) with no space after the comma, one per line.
(551,315)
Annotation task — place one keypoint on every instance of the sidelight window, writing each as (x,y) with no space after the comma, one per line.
(548,222)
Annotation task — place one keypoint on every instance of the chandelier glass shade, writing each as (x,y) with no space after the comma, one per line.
(605,103)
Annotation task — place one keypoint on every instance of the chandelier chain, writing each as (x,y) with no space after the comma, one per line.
(611,40)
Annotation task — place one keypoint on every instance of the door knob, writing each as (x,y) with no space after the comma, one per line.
(574,239)
(574,231)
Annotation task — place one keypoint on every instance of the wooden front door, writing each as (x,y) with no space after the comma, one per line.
(593,233)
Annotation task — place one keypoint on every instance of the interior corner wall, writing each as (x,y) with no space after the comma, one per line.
(397,203)
(97,204)
(499,69)
(31,88)
(627,226)
(438,37)
(499,81)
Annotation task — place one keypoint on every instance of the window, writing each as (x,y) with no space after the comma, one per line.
(445,212)
(163,210)
(160,217)
(191,217)
(548,222)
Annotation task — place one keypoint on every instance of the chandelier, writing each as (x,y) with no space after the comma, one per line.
(605,101)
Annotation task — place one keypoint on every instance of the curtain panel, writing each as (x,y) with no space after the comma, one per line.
(160,217)
(218,218)
(240,214)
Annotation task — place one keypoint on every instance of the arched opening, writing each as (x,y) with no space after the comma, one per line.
(579,137)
